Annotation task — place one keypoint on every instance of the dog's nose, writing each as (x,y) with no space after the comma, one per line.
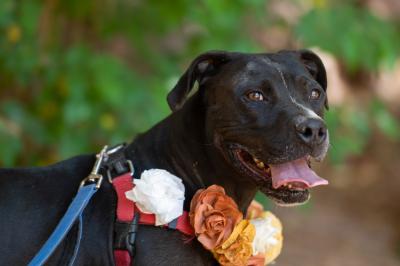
(312,131)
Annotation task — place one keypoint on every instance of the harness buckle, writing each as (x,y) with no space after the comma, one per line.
(118,164)
(94,176)
(131,170)
(125,235)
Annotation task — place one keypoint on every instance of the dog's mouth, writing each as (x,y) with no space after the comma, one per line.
(286,183)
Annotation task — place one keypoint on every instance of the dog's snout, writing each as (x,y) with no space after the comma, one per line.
(311,131)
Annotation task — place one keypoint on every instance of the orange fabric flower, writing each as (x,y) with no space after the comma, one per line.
(237,249)
(213,216)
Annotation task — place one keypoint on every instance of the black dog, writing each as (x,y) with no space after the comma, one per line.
(253,124)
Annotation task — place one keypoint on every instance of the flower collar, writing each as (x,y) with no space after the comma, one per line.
(215,217)
(220,228)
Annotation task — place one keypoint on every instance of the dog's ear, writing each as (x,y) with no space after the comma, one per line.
(202,67)
(316,68)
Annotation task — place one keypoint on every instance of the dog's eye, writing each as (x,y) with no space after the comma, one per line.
(255,96)
(315,94)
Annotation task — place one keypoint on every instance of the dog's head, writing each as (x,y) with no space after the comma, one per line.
(264,112)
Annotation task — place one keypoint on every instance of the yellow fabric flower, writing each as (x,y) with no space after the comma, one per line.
(237,249)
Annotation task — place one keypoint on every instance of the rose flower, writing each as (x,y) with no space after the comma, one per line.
(213,216)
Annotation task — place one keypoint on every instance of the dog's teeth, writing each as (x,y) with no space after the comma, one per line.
(260,165)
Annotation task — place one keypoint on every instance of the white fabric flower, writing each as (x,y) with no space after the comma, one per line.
(158,192)
(268,234)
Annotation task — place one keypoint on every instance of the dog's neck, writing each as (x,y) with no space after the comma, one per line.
(179,145)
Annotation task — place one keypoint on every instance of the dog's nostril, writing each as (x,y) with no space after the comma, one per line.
(311,131)
(308,132)
(322,132)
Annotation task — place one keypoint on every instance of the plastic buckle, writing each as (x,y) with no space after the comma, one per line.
(125,235)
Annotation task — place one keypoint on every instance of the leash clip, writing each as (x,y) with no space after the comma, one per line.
(94,176)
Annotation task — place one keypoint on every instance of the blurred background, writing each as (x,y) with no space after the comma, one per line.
(75,75)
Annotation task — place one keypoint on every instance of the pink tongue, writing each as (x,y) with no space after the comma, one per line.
(295,171)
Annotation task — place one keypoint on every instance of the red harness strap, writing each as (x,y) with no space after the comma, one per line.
(126,210)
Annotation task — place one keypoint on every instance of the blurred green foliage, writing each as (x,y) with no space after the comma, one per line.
(353,34)
(75,75)
(350,128)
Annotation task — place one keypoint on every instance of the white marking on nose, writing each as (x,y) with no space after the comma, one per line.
(308,111)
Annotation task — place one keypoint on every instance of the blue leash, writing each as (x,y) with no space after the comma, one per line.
(75,210)
(78,241)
